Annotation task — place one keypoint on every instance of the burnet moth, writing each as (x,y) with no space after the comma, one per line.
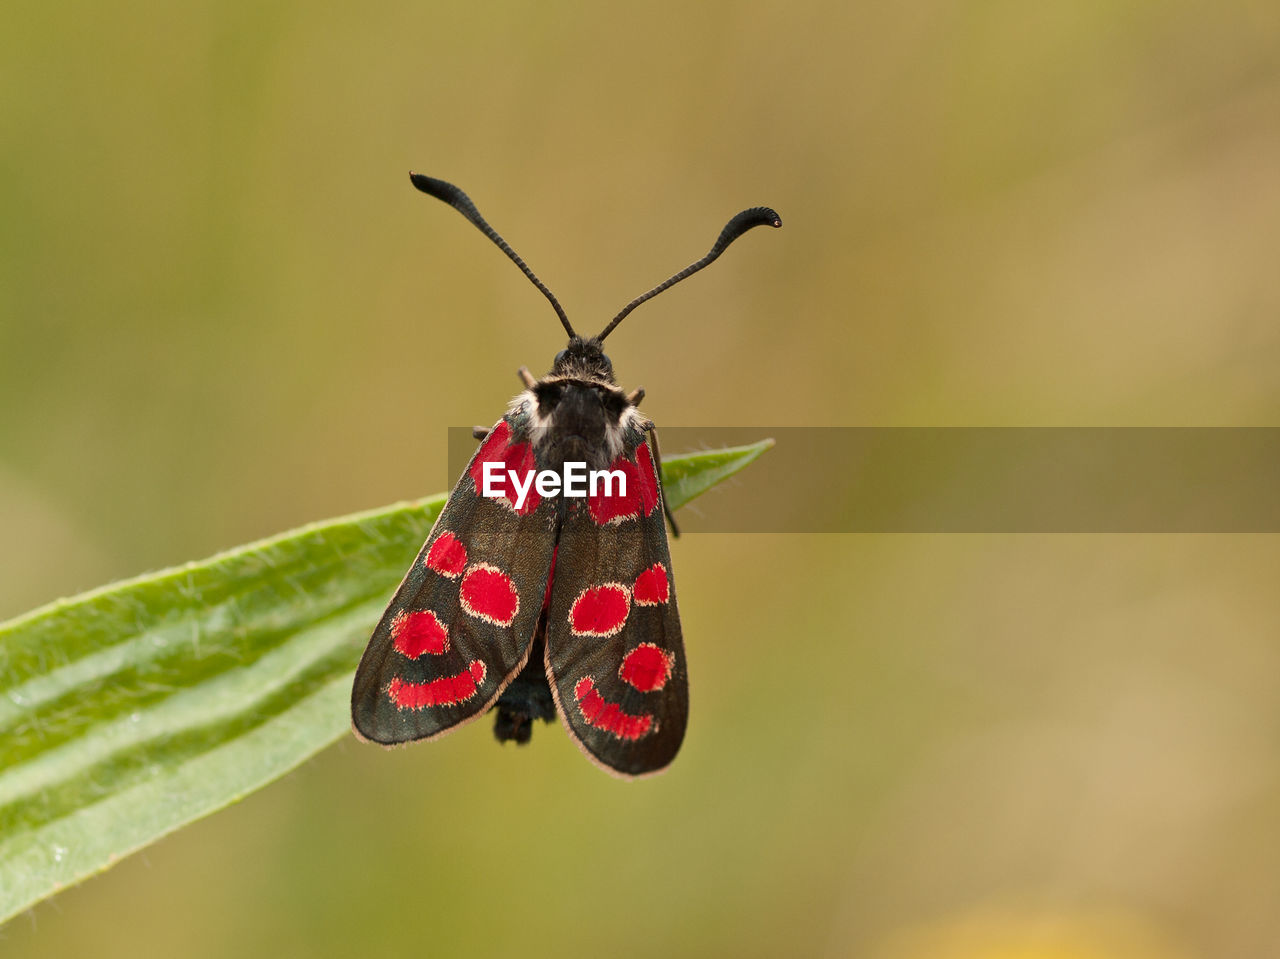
(533,601)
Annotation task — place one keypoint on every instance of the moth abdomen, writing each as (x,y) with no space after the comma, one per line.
(527,700)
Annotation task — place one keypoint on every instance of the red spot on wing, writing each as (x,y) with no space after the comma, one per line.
(489,594)
(618,506)
(447,556)
(609,716)
(498,448)
(652,587)
(419,632)
(600,610)
(641,497)
(648,486)
(647,667)
(445,691)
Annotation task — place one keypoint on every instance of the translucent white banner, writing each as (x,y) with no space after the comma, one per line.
(982,480)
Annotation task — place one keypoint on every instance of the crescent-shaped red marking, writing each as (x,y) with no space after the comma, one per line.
(445,691)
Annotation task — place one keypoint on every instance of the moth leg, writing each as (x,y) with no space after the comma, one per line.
(526,377)
(479,432)
(657,462)
(635,396)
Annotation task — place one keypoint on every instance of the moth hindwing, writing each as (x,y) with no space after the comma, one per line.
(545,586)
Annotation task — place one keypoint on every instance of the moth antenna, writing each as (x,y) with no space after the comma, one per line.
(740,224)
(451,195)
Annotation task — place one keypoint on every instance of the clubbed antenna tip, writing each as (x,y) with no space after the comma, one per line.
(740,224)
(451,195)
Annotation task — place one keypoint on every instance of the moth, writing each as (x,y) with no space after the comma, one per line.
(533,602)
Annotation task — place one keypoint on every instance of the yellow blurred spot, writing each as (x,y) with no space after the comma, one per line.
(996,934)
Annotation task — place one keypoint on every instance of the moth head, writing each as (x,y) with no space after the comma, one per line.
(583,360)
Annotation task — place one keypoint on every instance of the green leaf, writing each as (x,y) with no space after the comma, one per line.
(133,709)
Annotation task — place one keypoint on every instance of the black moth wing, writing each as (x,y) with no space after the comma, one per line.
(461,624)
(615,655)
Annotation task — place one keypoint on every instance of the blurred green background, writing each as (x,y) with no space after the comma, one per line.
(224,312)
